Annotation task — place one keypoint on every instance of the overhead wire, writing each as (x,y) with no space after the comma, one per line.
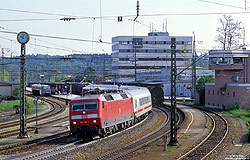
(57,37)
(36,12)
(221,4)
(65,48)
(18,20)
(115,16)
(73,39)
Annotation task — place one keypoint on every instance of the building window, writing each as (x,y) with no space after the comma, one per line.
(213,92)
(218,92)
(233,94)
(218,105)
(237,60)
(213,104)
(208,91)
(208,103)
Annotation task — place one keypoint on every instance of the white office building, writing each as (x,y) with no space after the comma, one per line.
(148,57)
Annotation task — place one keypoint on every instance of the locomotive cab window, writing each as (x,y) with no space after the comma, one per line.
(84,105)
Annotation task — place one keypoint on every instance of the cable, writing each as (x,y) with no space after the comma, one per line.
(93,34)
(67,48)
(221,4)
(114,17)
(17,20)
(56,37)
(192,64)
(35,12)
(75,39)
(100,38)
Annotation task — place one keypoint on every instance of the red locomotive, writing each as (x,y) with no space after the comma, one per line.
(103,113)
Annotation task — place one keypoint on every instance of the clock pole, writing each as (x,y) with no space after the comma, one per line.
(23,103)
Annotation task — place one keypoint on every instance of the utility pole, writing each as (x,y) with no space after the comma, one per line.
(135,43)
(135,67)
(2,77)
(173,134)
(194,70)
(137,10)
(23,38)
(104,64)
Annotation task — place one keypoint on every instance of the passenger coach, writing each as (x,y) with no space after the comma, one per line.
(41,89)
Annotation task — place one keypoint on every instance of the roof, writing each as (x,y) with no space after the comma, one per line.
(229,52)
(228,55)
(8,82)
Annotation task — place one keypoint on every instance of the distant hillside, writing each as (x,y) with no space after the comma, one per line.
(58,68)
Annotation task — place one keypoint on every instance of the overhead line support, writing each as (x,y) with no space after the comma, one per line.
(23,104)
(173,133)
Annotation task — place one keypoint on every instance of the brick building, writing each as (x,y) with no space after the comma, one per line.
(232,79)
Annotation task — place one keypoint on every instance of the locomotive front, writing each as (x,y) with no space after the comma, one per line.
(84,117)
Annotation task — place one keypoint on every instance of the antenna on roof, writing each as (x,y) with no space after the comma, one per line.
(163,26)
(166,24)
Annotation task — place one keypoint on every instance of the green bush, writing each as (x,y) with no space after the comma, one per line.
(232,106)
(17,91)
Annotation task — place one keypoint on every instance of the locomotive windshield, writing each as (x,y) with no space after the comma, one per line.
(84,105)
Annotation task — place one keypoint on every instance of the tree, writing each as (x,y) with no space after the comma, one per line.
(17,91)
(200,87)
(231,33)
(90,74)
(6,75)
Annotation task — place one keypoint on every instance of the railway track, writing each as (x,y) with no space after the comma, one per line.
(56,109)
(209,145)
(8,149)
(8,115)
(125,151)
(60,150)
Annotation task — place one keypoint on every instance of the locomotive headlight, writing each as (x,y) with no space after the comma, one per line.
(94,121)
(74,122)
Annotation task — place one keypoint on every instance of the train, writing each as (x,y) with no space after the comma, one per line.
(102,111)
(41,90)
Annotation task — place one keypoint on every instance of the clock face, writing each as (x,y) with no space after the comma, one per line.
(23,37)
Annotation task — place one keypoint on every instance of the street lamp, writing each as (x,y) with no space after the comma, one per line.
(137,43)
(35,103)
(41,77)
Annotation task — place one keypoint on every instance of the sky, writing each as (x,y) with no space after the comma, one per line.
(92,23)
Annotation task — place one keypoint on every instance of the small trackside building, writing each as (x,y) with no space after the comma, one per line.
(232,79)
(7,88)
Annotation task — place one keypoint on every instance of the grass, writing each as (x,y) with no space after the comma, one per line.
(240,113)
(189,102)
(185,136)
(7,105)
(180,101)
